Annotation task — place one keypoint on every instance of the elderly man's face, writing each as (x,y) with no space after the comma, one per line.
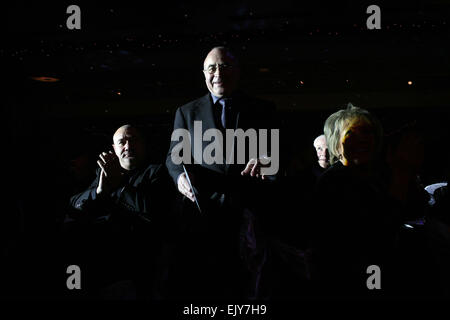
(320,144)
(357,143)
(129,147)
(221,73)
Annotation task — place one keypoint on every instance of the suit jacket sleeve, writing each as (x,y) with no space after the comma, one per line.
(88,200)
(81,200)
(174,169)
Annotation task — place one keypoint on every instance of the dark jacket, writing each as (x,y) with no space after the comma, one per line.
(142,197)
(355,224)
(247,113)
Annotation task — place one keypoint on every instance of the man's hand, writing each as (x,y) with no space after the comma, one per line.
(184,188)
(253,167)
(111,175)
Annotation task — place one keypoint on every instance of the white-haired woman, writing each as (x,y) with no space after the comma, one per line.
(356,224)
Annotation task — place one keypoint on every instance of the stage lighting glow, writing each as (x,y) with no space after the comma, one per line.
(45,79)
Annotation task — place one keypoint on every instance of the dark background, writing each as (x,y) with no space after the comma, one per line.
(139,62)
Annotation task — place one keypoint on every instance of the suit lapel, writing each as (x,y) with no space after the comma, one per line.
(204,112)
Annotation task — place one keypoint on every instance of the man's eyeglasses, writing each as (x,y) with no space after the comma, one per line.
(213,68)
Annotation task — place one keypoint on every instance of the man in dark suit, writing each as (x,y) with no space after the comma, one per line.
(122,218)
(218,225)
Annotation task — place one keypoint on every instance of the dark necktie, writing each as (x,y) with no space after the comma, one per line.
(225,112)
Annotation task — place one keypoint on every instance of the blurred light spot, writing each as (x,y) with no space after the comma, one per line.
(45,79)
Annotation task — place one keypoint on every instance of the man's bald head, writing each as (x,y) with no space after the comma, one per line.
(221,70)
(224,52)
(129,147)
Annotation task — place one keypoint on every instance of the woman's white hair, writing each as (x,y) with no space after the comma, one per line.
(335,123)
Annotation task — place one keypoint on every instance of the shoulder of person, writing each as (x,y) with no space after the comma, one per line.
(335,172)
(195,103)
(255,102)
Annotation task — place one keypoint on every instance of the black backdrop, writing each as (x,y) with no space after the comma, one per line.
(138,63)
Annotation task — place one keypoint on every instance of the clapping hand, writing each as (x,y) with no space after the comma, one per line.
(111,174)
